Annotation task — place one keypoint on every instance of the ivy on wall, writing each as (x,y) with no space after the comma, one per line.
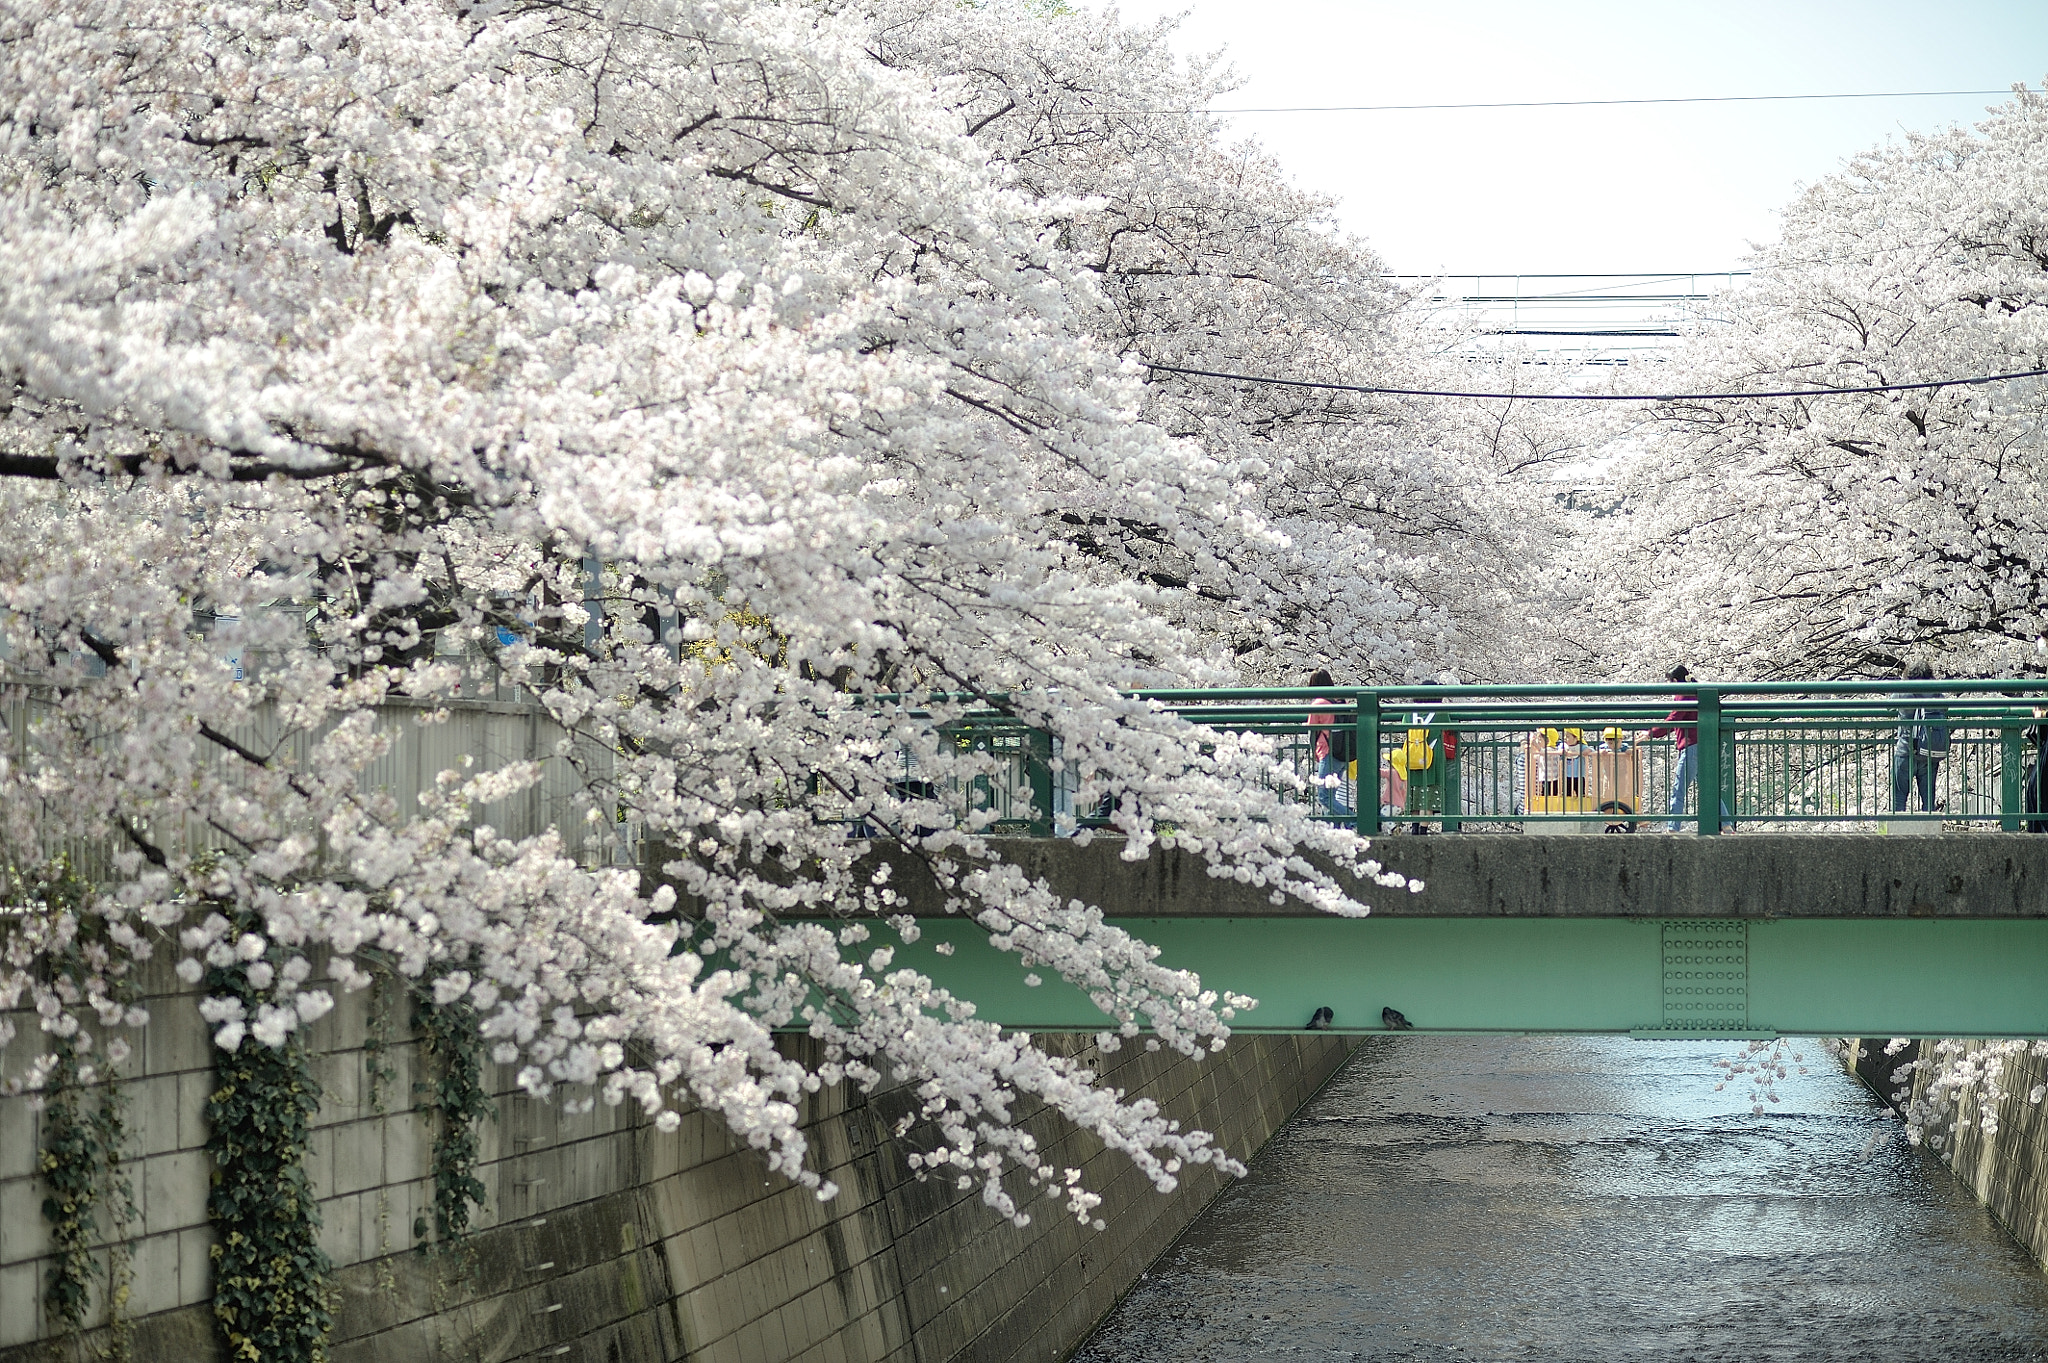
(378,1071)
(270,1277)
(271,1281)
(84,1120)
(452,1090)
(82,1176)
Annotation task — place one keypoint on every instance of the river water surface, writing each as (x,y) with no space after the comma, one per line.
(1585,1198)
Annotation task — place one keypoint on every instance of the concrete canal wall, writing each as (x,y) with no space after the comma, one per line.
(605,1241)
(2008,1167)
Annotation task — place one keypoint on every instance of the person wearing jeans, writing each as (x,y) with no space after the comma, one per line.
(1686,773)
(1330,768)
(1682,725)
(1922,743)
(1913,770)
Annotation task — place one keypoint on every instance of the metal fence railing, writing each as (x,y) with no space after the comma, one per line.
(1816,756)
(1791,756)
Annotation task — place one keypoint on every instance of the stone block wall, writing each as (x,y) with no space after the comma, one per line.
(605,1241)
(2007,1169)
(369,1160)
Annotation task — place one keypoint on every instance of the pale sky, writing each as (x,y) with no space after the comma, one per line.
(1658,188)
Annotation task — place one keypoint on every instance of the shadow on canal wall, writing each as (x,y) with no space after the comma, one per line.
(605,1241)
(2008,1168)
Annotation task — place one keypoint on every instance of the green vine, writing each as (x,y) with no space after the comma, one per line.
(270,1277)
(81,1171)
(80,1158)
(378,1069)
(458,1102)
(378,1072)
(70,1172)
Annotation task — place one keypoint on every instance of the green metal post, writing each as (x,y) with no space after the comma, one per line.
(1710,760)
(1038,765)
(1453,788)
(2009,778)
(1366,744)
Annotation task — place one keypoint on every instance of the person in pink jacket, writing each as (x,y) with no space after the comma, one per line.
(1332,749)
(1682,725)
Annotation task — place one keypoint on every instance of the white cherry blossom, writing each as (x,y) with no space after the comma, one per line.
(734,380)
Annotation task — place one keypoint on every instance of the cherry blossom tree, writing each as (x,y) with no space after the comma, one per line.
(1411,523)
(1835,535)
(759,405)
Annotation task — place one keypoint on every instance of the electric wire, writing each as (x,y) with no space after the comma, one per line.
(1565,103)
(1596,397)
(1653,276)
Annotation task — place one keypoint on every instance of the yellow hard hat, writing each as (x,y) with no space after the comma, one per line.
(1611,733)
(1574,735)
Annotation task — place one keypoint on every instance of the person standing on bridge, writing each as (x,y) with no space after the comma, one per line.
(1922,743)
(2035,799)
(1333,747)
(1682,725)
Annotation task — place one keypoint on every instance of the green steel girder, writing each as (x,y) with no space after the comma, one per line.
(1647,976)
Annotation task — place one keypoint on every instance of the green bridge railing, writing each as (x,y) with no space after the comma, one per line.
(1815,756)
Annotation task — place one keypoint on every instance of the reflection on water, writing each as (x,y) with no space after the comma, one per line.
(1585,1198)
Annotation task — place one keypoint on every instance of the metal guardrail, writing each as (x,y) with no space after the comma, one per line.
(1808,756)
(1813,756)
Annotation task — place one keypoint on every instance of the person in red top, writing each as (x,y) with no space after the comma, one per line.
(1682,725)
(1330,771)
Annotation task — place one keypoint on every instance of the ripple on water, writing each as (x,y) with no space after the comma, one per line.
(1585,1199)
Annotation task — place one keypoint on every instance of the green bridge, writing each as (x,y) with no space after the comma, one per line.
(1796,900)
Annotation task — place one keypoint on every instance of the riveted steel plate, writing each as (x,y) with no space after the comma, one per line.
(1706,975)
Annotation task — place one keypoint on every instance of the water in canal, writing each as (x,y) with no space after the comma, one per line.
(1585,1199)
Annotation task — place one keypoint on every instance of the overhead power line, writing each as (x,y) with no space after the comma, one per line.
(1597,397)
(1645,330)
(1650,276)
(1567,103)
